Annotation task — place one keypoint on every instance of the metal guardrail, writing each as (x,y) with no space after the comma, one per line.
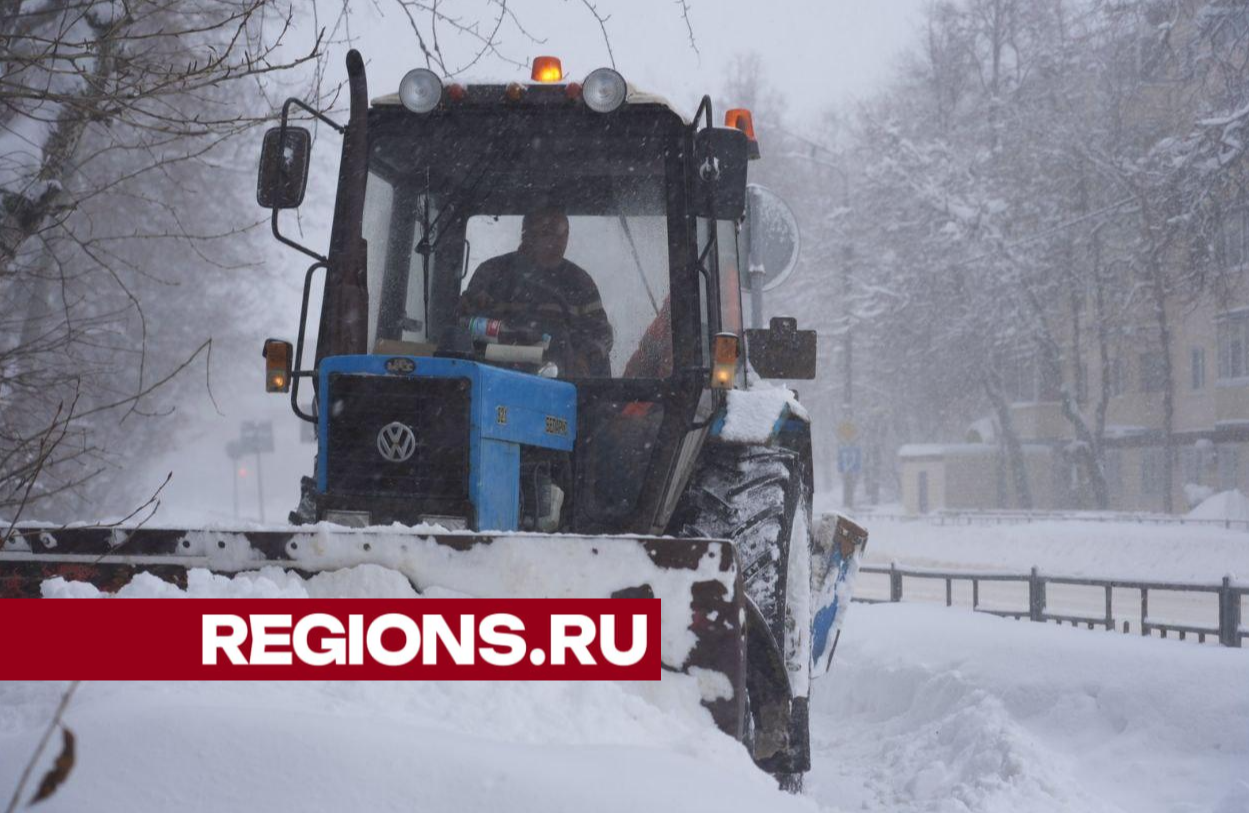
(1228,631)
(992,517)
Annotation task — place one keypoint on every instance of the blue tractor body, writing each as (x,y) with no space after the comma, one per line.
(506,410)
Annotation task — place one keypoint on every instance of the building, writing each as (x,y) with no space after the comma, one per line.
(1207,345)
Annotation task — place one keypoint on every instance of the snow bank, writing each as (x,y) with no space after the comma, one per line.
(1224,505)
(1071,548)
(932,709)
(336,746)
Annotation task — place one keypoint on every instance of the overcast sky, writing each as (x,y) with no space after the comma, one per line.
(820,52)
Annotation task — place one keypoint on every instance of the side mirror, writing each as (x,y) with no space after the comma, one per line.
(283,176)
(720,159)
(782,351)
(772,239)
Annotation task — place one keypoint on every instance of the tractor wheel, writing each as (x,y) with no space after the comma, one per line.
(306,512)
(758,497)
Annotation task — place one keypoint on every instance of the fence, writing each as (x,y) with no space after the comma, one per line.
(947,516)
(1228,630)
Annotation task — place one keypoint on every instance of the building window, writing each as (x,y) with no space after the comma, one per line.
(1019,380)
(1116,377)
(1153,372)
(1198,357)
(1233,333)
(1112,467)
(1152,482)
(1190,467)
(1229,467)
(1233,237)
(1194,461)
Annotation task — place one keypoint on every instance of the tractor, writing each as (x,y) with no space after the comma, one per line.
(453,428)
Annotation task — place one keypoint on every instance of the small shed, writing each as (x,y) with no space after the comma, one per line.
(970,476)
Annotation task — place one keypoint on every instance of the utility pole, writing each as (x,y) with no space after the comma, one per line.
(260,487)
(850,473)
(850,476)
(255,437)
(234,451)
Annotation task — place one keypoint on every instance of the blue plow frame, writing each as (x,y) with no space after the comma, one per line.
(837,551)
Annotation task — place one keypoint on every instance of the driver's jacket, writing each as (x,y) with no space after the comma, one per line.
(562,301)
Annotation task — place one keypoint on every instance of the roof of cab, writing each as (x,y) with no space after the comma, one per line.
(634,96)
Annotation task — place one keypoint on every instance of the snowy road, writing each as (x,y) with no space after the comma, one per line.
(932,709)
(926,709)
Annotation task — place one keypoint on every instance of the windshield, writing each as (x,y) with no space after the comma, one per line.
(543,228)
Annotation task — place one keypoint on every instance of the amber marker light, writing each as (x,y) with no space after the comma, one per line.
(277,355)
(547,69)
(739,118)
(724,354)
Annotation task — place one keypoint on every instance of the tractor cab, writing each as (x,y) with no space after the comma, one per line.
(574,400)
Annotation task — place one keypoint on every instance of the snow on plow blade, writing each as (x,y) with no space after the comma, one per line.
(696,579)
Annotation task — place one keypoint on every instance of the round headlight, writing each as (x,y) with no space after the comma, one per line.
(420,90)
(604,90)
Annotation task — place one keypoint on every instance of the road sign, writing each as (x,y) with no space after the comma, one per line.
(256,437)
(847,432)
(849,459)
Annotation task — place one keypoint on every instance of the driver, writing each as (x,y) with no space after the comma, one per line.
(534,287)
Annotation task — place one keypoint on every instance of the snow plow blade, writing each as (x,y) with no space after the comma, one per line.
(696,579)
(838,545)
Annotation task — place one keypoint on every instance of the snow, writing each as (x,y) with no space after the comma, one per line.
(910,450)
(362,581)
(1224,505)
(935,709)
(753,414)
(385,746)
(1125,550)
(503,565)
(524,565)
(1195,493)
(978,449)
(334,746)
(926,709)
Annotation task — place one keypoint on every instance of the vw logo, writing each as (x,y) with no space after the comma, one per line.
(396,442)
(400,366)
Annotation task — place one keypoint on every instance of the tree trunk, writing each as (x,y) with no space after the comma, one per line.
(1010,439)
(26,213)
(1159,295)
(1103,364)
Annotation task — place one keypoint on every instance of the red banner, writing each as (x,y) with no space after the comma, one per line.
(320,639)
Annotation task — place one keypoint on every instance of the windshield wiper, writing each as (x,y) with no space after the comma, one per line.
(465,191)
(637,260)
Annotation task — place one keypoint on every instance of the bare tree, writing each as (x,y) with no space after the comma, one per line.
(128,236)
(109,112)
